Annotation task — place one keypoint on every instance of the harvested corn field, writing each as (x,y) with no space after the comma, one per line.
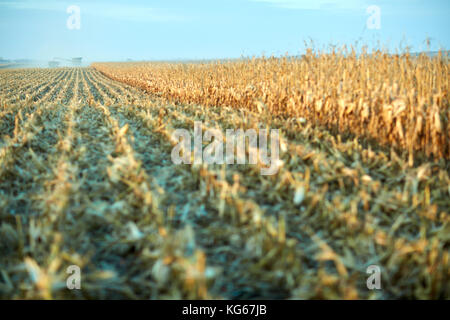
(87,179)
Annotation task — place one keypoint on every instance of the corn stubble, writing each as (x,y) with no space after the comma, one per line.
(86,178)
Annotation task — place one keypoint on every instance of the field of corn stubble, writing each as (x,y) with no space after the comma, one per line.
(86,179)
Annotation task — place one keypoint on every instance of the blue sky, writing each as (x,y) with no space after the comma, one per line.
(209,29)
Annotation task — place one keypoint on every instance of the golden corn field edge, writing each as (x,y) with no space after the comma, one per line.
(398,100)
(86,179)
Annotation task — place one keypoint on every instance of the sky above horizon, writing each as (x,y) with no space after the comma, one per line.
(208,29)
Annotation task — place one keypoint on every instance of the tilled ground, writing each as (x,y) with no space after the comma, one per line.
(86,179)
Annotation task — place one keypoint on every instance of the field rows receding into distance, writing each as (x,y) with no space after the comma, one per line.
(86,178)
